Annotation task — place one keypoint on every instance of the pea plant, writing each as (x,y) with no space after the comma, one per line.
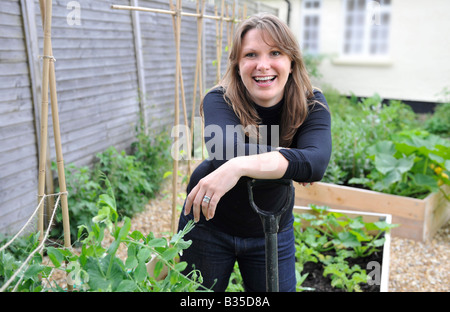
(97,267)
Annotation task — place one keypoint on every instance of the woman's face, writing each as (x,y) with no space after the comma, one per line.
(263,68)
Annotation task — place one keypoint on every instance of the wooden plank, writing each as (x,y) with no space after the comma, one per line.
(412,214)
(437,213)
(360,199)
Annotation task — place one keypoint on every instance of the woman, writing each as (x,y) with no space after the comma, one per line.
(265,87)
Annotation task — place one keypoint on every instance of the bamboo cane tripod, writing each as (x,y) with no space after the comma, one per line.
(177,13)
(49,81)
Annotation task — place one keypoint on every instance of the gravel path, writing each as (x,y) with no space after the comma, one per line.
(417,266)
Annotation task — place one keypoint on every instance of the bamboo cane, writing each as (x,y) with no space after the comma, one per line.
(177,28)
(44,113)
(183,98)
(58,144)
(219,36)
(170,12)
(198,68)
(46,11)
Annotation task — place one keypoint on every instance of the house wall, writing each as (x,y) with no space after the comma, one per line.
(417,67)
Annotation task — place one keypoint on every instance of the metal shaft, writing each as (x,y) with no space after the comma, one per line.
(272,262)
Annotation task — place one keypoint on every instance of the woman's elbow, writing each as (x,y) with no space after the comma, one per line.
(319,168)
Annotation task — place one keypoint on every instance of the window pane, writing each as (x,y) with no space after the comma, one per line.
(361,36)
(361,5)
(311,24)
(350,5)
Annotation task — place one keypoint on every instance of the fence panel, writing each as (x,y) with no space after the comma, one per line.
(18,146)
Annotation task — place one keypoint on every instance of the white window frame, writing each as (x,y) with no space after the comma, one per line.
(374,11)
(310,12)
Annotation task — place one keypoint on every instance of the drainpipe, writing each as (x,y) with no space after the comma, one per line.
(288,11)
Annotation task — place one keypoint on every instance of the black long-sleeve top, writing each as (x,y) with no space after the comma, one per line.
(308,158)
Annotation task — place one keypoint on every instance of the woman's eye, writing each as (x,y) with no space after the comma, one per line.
(276,53)
(251,54)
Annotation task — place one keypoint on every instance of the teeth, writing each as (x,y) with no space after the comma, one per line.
(264,78)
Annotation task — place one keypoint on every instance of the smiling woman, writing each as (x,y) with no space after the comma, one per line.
(265,88)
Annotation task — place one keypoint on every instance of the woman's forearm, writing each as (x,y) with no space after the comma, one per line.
(270,165)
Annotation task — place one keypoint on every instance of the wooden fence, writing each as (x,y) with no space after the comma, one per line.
(104,57)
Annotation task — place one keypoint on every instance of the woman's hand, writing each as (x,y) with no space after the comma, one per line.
(214,186)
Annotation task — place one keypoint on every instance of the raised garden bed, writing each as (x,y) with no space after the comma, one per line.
(376,264)
(419,219)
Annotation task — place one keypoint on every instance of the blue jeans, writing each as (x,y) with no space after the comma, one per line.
(214,254)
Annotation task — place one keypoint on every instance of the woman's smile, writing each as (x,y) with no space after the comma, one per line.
(264,81)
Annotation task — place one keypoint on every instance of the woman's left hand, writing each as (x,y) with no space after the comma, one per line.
(214,186)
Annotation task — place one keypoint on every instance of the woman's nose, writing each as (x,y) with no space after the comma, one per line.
(263,63)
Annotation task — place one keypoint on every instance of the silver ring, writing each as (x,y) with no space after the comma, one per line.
(206,199)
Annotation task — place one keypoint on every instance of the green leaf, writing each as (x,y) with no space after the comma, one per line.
(385,163)
(405,164)
(426,181)
(361,235)
(379,242)
(143,254)
(382,147)
(157,242)
(131,262)
(173,277)
(169,254)
(140,274)
(125,229)
(55,256)
(183,244)
(33,270)
(97,279)
(356,223)
(347,239)
(384,226)
(126,286)
(181,266)
(390,178)
(158,268)
(136,235)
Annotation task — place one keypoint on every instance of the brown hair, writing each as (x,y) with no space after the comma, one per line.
(298,87)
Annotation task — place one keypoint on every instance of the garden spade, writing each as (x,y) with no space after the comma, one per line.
(270,221)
